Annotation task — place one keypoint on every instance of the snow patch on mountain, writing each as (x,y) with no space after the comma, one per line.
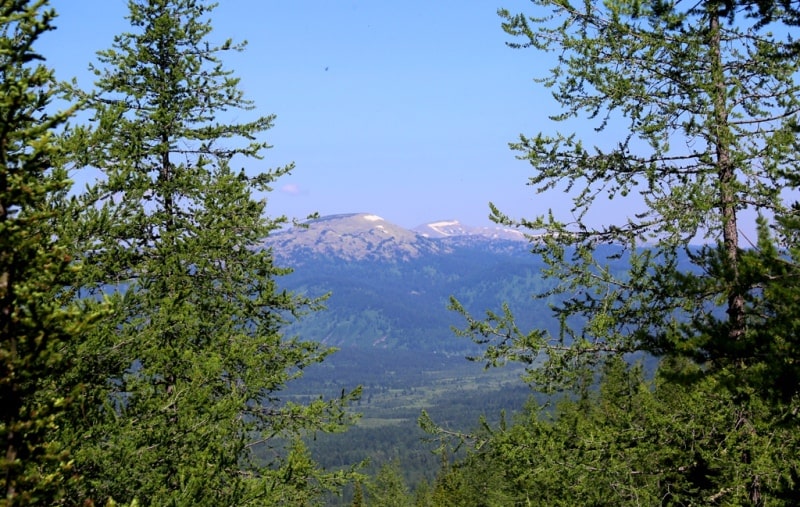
(445,223)
(445,228)
(361,236)
(455,229)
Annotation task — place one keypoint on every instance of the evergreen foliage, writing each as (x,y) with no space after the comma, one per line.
(182,402)
(708,110)
(388,489)
(34,328)
(633,442)
(707,102)
(358,495)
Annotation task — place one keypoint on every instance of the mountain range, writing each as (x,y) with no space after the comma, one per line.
(364,236)
(389,287)
(387,313)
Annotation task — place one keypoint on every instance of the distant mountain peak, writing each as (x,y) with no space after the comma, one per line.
(441,229)
(453,228)
(352,236)
(445,223)
(347,216)
(366,236)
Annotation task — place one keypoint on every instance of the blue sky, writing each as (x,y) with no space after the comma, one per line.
(402,109)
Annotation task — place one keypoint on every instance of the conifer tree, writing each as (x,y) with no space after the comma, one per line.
(705,102)
(358,495)
(33,327)
(388,488)
(700,103)
(182,406)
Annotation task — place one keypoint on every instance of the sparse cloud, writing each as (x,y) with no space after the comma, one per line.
(291,189)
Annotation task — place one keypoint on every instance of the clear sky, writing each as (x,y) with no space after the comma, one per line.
(401,109)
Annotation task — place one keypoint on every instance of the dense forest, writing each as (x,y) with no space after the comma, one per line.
(404,304)
(145,357)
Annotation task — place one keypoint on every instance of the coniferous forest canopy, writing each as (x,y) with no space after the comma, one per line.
(144,353)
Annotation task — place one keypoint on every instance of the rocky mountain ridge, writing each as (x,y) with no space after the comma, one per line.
(454,228)
(365,236)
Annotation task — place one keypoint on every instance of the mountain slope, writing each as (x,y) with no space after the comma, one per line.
(390,286)
(357,236)
(364,236)
(453,228)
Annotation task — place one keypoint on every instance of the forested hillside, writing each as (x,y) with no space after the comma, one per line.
(389,288)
